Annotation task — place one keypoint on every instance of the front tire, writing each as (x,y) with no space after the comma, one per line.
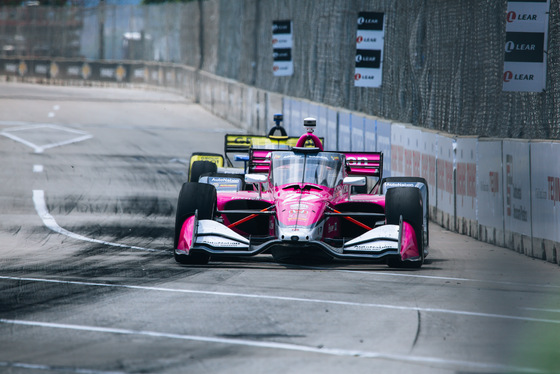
(406,202)
(411,181)
(193,197)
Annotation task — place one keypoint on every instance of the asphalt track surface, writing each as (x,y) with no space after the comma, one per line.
(89,182)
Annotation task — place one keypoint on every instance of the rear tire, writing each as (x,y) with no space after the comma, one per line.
(193,197)
(406,202)
(201,167)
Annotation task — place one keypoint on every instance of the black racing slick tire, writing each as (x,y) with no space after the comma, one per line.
(406,202)
(193,197)
(201,167)
(426,199)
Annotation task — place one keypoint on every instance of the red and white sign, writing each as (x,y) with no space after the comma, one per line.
(525,47)
(369,49)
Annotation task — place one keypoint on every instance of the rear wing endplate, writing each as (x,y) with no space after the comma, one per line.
(365,163)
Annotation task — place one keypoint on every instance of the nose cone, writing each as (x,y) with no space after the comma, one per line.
(300,215)
(301,209)
(295,234)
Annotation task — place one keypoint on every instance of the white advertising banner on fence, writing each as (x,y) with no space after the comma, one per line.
(525,48)
(466,177)
(312,110)
(286,111)
(517,199)
(444,170)
(384,129)
(397,150)
(411,147)
(331,139)
(358,133)
(370,128)
(545,184)
(428,151)
(296,122)
(344,131)
(369,49)
(303,113)
(318,112)
(489,189)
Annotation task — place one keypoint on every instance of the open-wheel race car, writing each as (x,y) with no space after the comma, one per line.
(301,202)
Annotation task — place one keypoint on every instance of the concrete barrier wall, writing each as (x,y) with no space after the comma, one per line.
(545,198)
(517,195)
(501,191)
(465,186)
(489,191)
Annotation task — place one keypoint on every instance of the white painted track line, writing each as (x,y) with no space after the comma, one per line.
(293,299)
(279,346)
(434,277)
(81,136)
(50,222)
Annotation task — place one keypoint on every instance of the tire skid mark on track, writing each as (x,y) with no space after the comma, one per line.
(47,218)
(50,368)
(542,310)
(418,329)
(131,204)
(294,299)
(50,222)
(282,346)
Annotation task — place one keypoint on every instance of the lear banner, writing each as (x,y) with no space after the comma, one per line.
(282,48)
(526,44)
(369,49)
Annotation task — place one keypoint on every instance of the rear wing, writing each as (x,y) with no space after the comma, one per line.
(237,143)
(259,160)
(368,164)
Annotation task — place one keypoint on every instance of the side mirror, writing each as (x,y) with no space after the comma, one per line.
(255,178)
(258,179)
(354,181)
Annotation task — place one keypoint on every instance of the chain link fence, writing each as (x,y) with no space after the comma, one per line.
(442,68)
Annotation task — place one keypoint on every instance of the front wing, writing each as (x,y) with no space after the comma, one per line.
(216,239)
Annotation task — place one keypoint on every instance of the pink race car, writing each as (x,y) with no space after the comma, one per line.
(304,203)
